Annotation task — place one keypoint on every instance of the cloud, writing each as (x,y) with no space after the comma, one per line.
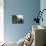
(20,16)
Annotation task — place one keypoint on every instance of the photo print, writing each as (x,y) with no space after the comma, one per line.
(17,19)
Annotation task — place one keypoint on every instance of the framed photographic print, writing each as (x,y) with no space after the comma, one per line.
(17,19)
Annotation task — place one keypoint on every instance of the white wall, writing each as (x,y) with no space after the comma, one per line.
(43,6)
(1,20)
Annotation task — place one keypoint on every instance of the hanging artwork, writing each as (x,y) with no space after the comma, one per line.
(17,19)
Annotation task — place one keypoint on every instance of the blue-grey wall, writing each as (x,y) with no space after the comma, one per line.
(27,8)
